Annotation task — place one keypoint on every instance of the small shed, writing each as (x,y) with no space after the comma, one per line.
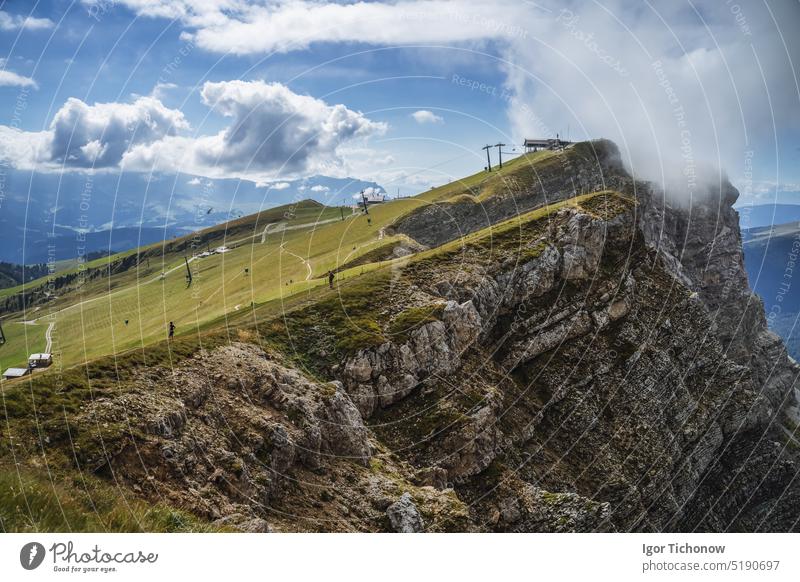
(12,373)
(40,360)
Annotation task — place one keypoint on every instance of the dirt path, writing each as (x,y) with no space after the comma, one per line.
(48,336)
(281,227)
(305,262)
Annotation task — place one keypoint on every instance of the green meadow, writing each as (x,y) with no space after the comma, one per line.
(276,255)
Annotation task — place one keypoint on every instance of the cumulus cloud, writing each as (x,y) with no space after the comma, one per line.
(91,136)
(424,116)
(99,135)
(23,149)
(679,86)
(11,79)
(10,22)
(280,186)
(319,188)
(275,129)
(272,132)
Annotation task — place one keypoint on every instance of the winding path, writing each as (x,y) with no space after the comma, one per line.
(305,262)
(48,336)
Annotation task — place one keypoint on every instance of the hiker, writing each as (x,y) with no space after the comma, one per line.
(330,279)
(171,330)
(126,322)
(369,222)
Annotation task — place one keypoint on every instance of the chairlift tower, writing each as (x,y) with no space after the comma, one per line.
(488,158)
(188,271)
(364,201)
(500,152)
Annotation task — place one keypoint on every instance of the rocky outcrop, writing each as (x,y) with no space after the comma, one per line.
(702,245)
(404,515)
(591,166)
(632,381)
(228,431)
(378,377)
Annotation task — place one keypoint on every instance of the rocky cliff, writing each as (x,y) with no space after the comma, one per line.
(594,364)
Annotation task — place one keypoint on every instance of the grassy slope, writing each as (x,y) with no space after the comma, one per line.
(31,503)
(318,329)
(90,322)
(21,341)
(324,324)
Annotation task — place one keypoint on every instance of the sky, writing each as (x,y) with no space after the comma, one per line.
(402,93)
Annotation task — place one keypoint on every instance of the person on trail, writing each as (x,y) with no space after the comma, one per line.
(171,330)
(331,275)
(126,322)
(369,222)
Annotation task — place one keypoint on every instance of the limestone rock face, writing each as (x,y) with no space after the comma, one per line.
(603,368)
(378,377)
(626,362)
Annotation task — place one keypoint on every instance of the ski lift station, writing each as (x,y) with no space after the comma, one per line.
(533,145)
(40,360)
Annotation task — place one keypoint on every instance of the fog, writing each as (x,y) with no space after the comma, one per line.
(689,94)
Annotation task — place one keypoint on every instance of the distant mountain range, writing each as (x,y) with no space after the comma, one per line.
(44,216)
(758,215)
(770,254)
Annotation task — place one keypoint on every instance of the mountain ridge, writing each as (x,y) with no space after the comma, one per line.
(596,363)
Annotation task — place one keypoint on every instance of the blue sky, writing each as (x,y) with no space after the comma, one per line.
(269,91)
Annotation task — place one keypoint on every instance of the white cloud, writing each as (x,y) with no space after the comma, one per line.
(424,116)
(99,135)
(23,149)
(280,186)
(272,132)
(161,89)
(234,26)
(91,136)
(195,181)
(679,102)
(319,188)
(15,21)
(11,79)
